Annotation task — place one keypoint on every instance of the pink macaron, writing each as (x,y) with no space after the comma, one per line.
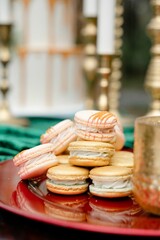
(103,126)
(60,135)
(35,161)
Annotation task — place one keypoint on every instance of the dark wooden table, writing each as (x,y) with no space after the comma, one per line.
(14,227)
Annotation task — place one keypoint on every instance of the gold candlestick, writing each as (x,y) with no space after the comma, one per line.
(103,76)
(116,74)
(5,56)
(115,78)
(152,82)
(89,33)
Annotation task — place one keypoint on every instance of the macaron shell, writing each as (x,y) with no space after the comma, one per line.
(37,166)
(110,171)
(63,159)
(95,136)
(122,158)
(92,146)
(56,130)
(94,118)
(86,162)
(67,172)
(61,144)
(66,190)
(31,153)
(60,136)
(120,137)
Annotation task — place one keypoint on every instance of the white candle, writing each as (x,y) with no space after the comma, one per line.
(89,8)
(106,27)
(5,11)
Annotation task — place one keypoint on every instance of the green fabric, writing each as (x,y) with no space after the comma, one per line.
(129,136)
(14,139)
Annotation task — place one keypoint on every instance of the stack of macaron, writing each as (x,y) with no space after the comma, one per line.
(99,138)
(99,135)
(77,156)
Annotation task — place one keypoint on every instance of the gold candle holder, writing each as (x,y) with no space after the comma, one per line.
(5,57)
(89,33)
(116,74)
(152,82)
(103,76)
(115,78)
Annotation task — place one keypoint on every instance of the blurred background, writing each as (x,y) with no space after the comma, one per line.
(45,69)
(136,56)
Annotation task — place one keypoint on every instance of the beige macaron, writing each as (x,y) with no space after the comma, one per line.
(122,158)
(68,180)
(63,158)
(90,153)
(111,181)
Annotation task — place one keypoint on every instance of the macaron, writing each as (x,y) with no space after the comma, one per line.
(35,161)
(63,158)
(122,158)
(103,126)
(111,181)
(60,135)
(90,153)
(67,180)
(69,208)
(112,212)
(120,137)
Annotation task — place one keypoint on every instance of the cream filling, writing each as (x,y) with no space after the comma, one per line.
(68,182)
(111,185)
(92,129)
(84,154)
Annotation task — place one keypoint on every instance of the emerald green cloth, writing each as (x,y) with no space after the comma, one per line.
(129,136)
(14,139)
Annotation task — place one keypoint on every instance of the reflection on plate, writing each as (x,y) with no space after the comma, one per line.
(113,212)
(84,212)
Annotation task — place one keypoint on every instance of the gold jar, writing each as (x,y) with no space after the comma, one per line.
(146,172)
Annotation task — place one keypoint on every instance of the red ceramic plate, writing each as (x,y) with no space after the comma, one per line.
(83,212)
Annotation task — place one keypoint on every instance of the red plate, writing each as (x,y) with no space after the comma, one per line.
(83,212)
